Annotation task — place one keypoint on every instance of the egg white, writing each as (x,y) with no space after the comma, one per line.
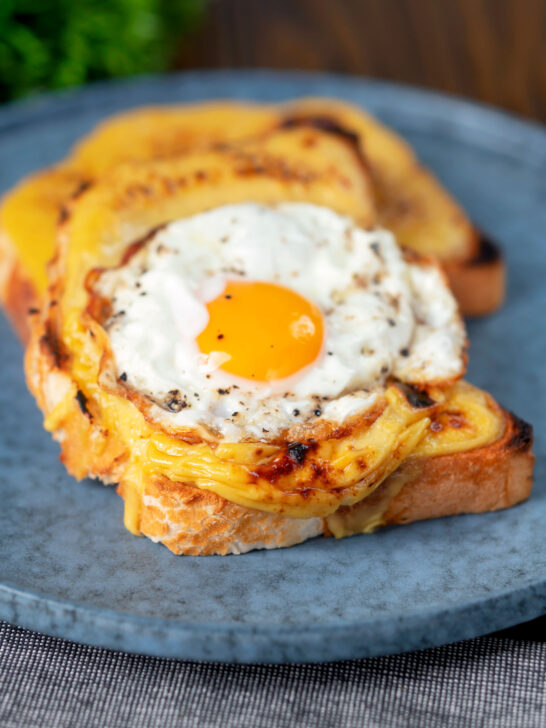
(384,317)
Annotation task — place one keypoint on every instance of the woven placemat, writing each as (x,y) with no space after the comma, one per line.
(492,681)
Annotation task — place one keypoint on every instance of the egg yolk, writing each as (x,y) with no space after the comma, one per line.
(268,331)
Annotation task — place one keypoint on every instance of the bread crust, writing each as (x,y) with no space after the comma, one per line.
(198,523)
(488,478)
(499,475)
(478,283)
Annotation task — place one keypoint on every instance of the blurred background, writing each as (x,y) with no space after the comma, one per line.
(489,50)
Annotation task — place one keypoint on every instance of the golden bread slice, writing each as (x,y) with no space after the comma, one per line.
(409,200)
(191,489)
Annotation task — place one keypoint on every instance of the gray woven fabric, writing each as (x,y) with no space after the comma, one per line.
(485,682)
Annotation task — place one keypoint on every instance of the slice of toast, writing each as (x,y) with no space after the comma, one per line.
(409,199)
(468,453)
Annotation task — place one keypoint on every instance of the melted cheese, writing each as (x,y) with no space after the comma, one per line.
(226,470)
(468,419)
(368,515)
(359,466)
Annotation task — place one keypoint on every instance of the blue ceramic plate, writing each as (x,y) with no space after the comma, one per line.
(67,566)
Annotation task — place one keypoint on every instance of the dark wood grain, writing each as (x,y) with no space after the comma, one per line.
(490,50)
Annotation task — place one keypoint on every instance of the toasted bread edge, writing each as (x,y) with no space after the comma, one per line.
(478,283)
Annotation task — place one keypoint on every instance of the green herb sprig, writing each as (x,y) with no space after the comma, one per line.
(47,44)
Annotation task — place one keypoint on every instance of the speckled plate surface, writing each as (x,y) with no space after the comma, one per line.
(67,566)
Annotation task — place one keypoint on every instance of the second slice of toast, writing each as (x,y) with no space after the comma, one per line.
(408,198)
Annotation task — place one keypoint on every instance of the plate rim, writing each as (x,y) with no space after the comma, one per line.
(68,620)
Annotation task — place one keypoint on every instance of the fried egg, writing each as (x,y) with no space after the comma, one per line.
(248,319)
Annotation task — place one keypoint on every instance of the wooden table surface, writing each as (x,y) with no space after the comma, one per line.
(490,50)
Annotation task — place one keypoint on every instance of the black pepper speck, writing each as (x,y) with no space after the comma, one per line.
(297,452)
(174,402)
